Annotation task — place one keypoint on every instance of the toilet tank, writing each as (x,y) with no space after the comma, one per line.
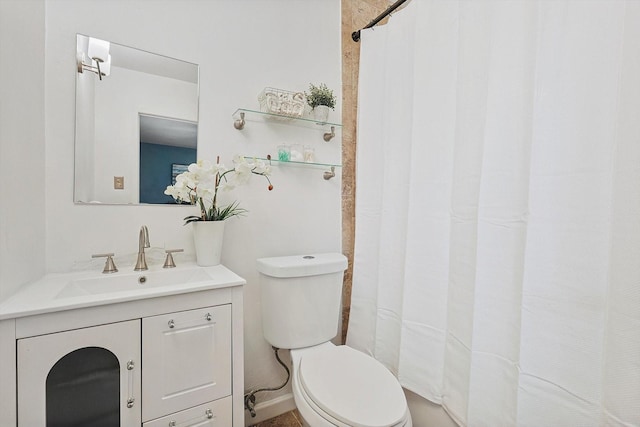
(300,298)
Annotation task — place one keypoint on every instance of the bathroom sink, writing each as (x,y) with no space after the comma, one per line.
(133,281)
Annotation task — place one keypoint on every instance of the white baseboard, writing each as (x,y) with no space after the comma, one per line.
(270,409)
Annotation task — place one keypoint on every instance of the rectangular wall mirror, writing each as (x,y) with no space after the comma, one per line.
(136,123)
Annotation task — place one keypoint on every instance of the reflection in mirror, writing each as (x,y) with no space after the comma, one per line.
(136,117)
(167,147)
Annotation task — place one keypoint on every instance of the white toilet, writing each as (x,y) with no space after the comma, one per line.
(332,385)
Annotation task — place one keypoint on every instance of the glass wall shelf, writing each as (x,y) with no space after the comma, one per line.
(328,174)
(276,162)
(255,115)
(242,115)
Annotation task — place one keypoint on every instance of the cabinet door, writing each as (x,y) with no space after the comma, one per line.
(82,377)
(186,358)
(212,414)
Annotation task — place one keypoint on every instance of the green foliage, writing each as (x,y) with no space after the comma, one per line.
(218,214)
(320,95)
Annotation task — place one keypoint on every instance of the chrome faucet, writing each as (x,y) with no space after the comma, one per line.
(143,242)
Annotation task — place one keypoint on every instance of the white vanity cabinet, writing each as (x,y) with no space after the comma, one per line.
(162,359)
(186,358)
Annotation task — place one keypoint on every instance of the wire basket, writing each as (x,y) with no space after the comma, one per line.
(282,102)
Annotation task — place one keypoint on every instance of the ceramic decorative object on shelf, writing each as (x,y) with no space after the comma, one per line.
(321,100)
(282,102)
(199,186)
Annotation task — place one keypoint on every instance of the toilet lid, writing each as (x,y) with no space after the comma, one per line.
(352,387)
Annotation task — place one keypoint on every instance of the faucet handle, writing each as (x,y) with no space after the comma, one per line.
(168,263)
(109,265)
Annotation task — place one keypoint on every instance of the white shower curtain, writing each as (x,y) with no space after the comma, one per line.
(497,259)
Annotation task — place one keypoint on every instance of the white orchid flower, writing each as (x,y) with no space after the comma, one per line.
(171,191)
(242,173)
(262,168)
(199,185)
(227,186)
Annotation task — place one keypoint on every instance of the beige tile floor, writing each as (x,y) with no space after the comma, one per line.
(290,419)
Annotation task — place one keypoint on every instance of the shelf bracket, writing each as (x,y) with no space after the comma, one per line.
(330,174)
(329,135)
(239,123)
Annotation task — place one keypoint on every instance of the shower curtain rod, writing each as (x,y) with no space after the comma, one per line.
(356,34)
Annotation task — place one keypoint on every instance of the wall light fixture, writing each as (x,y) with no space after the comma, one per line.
(97,58)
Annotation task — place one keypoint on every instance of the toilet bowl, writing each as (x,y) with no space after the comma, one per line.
(339,386)
(332,385)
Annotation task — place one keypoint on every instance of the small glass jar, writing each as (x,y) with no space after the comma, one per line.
(296,153)
(309,154)
(284,153)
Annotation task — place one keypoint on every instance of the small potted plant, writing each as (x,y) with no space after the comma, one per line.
(320,99)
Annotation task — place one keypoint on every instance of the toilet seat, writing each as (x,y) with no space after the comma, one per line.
(347,387)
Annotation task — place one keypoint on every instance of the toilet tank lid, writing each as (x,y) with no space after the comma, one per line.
(302,265)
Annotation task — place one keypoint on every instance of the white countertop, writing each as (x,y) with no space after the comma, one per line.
(49,293)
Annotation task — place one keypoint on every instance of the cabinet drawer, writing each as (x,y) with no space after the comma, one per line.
(186,359)
(212,414)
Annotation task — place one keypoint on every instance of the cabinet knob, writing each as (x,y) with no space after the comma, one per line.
(172,324)
(130,402)
(209,413)
(208,316)
(172,424)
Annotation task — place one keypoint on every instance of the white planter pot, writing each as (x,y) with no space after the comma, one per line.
(208,237)
(321,113)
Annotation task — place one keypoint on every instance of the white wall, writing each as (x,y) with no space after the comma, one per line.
(22,209)
(241,46)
